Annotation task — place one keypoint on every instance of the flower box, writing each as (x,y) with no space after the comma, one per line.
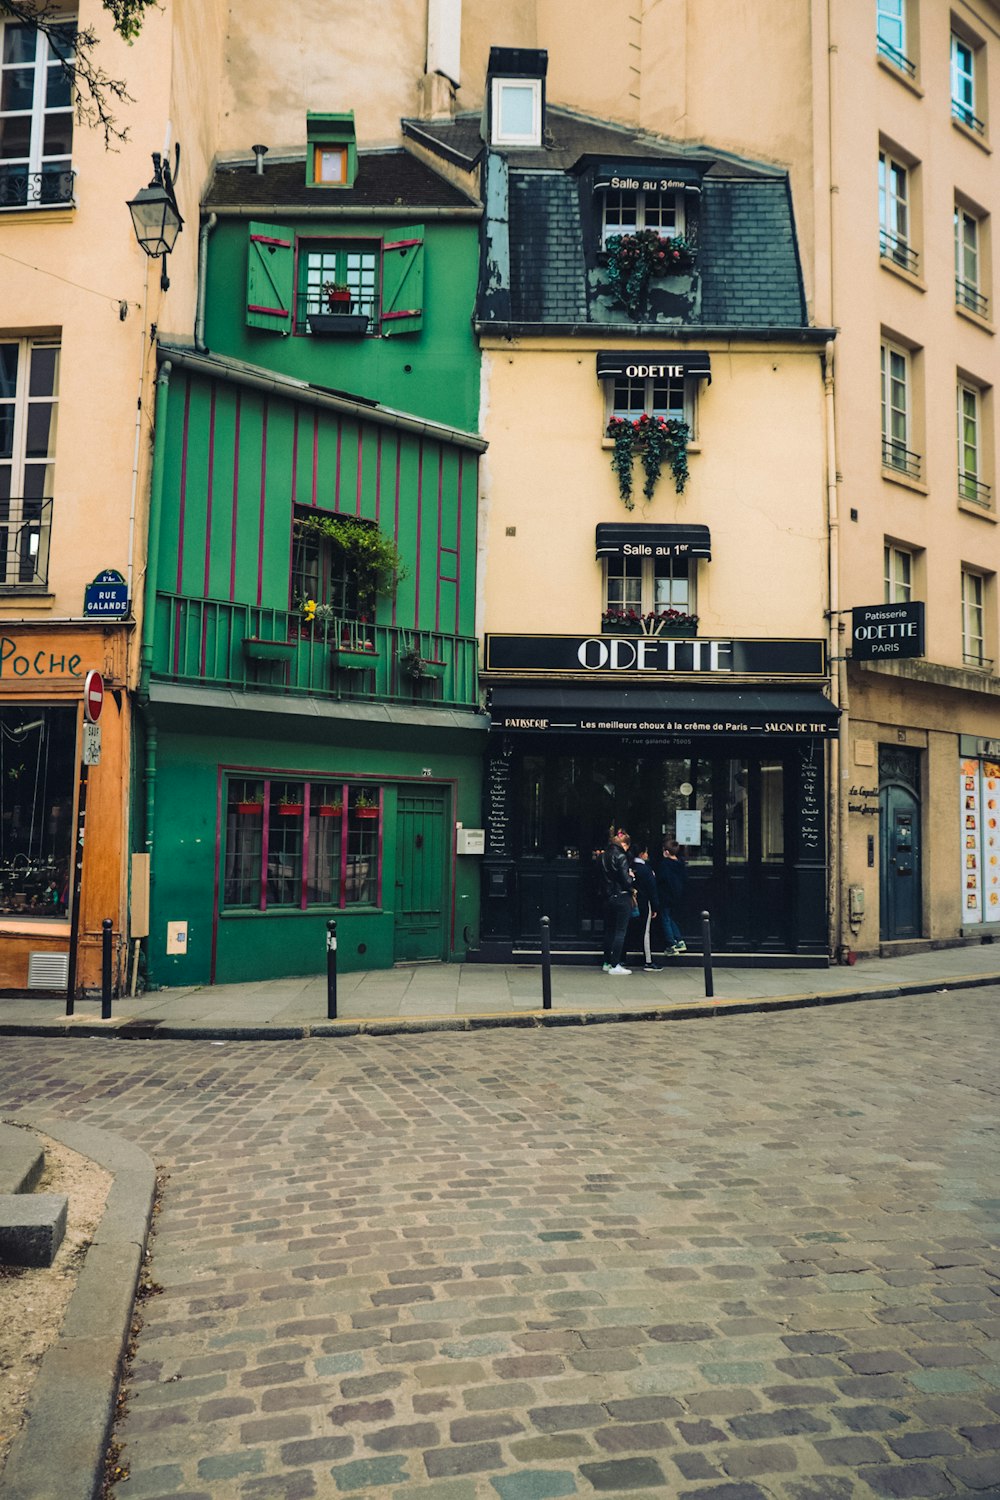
(353,660)
(249,809)
(340,324)
(366,812)
(290,809)
(256,649)
(679,632)
(330,809)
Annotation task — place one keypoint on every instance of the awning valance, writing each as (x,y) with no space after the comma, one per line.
(633,176)
(658,364)
(646,540)
(737,711)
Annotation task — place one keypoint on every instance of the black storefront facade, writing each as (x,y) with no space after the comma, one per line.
(721,743)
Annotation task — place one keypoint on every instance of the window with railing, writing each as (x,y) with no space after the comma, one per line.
(894,216)
(892,25)
(36,115)
(971,485)
(294,844)
(897,414)
(29,384)
(973,619)
(963,84)
(339,278)
(970,229)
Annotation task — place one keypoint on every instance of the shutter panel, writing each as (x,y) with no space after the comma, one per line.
(270,277)
(403,282)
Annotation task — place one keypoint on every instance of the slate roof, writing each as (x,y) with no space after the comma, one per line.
(384,179)
(541,269)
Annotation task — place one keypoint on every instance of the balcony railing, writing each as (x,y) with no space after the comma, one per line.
(25,526)
(968,296)
(964,113)
(254,649)
(50,188)
(972,489)
(891,247)
(897,58)
(896,456)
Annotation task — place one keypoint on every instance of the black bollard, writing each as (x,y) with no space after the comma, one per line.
(106,927)
(331,970)
(546,966)
(706,949)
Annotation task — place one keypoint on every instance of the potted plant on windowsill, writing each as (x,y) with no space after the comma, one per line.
(251,806)
(621,622)
(288,807)
(339,317)
(674,622)
(330,809)
(366,806)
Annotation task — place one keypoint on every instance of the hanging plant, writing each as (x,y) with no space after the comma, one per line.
(633,259)
(373,557)
(656,439)
(623,433)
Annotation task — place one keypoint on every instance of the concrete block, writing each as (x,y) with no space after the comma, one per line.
(32,1226)
(21,1160)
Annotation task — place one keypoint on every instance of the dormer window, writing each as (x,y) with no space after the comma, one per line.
(516,96)
(627,210)
(332,155)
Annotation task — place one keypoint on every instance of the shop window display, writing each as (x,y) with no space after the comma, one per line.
(37,784)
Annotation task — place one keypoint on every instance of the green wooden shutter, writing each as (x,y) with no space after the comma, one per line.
(270,278)
(403,281)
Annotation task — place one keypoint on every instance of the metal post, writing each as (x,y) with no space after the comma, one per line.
(546,966)
(331,970)
(106,927)
(706,949)
(77,883)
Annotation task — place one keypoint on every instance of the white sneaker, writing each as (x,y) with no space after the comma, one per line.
(617,970)
(606,968)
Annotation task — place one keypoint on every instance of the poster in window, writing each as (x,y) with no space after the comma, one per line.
(990,801)
(971,831)
(688,827)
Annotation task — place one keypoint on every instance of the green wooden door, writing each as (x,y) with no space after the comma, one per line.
(422,855)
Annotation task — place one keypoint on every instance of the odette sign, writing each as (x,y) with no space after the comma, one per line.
(887,631)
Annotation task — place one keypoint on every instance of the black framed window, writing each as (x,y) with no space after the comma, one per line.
(38,772)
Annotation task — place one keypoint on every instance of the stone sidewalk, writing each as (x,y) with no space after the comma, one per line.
(465,996)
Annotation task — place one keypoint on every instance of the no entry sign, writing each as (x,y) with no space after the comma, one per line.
(93,697)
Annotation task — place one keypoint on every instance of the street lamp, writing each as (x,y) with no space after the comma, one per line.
(155,216)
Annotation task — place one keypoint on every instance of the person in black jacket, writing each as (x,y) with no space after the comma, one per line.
(671,878)
(616,881)
(648,902)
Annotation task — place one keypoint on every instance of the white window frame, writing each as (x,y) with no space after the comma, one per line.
(897,418)
(672,398)
(963,83)
(895,211)
(970,260)
(970,450)
(34,163)
(669,205)
(973,618)
(25,520)
(501,137)
(891,27)
(898,569)
(642,591)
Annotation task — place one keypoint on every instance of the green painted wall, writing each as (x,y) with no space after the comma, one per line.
(254,946)
(432,372)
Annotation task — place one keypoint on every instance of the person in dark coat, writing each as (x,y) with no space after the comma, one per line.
(671,878)
(617,885)
(648,902)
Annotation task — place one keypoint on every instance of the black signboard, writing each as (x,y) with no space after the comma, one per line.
(652,656)
(658,717)
(881,632)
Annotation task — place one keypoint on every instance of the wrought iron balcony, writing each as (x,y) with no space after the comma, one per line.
(891,247)
(964,113)
(253,649)
(972,489)
(969,296)
(25,525)
(50,188)
(897,58)
(896,456)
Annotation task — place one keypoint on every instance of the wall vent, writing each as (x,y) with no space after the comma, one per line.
(48,971)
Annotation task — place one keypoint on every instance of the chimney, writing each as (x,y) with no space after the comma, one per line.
(259,152)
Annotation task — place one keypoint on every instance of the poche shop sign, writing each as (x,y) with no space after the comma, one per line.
(882,632)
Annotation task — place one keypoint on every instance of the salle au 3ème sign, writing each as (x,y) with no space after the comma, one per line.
(652,656)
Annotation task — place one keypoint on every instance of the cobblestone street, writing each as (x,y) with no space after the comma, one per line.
(739,1258)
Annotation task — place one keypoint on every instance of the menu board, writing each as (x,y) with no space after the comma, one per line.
(980,843)
(498,806)
(810,811)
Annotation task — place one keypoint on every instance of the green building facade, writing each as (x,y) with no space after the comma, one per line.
(312,739)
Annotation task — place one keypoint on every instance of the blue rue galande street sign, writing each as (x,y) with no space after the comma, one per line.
(107,596)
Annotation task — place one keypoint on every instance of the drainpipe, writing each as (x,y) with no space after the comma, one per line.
(153,539)
(838,675)
(199,319)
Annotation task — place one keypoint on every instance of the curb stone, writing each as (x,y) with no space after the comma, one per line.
(60,1451)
